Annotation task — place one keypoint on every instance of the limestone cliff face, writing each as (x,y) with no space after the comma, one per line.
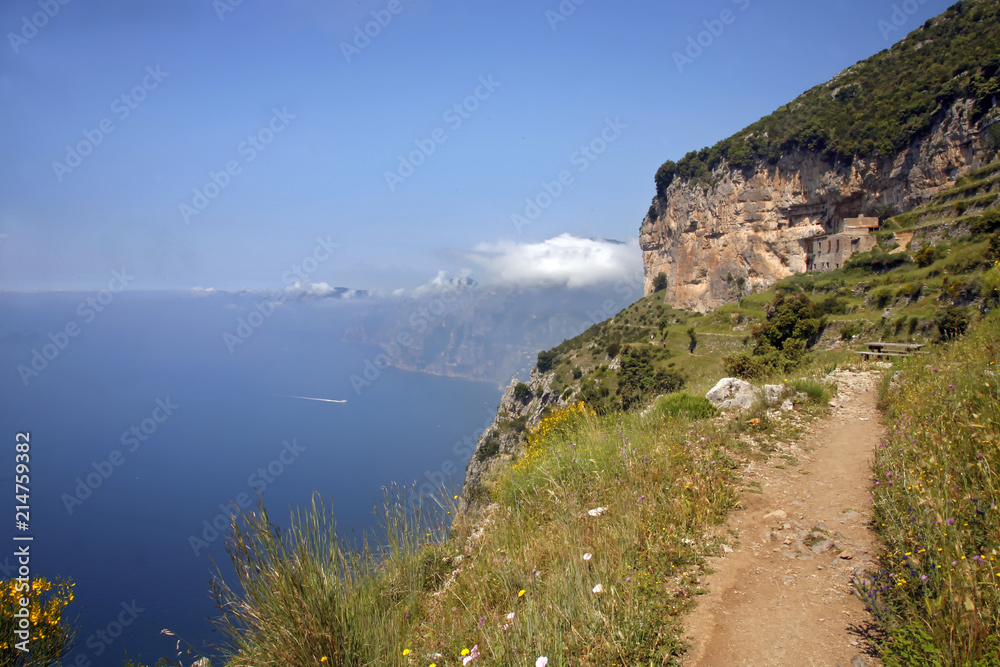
(750,229)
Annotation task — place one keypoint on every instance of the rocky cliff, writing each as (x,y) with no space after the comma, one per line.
(504,438)
(744,229)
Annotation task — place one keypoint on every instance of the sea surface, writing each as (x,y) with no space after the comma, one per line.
(146,421)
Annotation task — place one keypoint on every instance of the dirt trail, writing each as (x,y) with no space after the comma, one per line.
(782,596)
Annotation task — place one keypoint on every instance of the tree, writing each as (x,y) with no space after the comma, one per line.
(693,337)
(546,360)
(523,393)
(638,379)
(660,282)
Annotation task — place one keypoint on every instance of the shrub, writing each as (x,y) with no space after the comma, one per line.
(987,223)
(832,305)
(52,636)
(849,332)
(910,291)
(638,379)
(523,393)
(660,282)
(684,405)
(577,372)
(991,285)
(951,322)
(881,298)
(613,349)
(489,449)
(546,360)
(788,317)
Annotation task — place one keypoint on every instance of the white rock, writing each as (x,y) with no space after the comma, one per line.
(773,393)
(732,393)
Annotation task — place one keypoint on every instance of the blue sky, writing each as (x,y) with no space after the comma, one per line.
(300,132)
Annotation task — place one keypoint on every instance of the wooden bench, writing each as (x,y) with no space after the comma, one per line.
(868,353)
(880,349)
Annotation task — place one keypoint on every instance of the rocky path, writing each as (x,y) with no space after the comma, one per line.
(782,596)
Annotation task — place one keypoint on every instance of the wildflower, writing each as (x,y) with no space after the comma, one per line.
(470,655)
(542,661)
(588,556)
(520,593)
(510,616)
(597,511)
(323,659)
(598,589)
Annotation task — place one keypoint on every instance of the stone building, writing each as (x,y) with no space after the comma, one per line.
(831,251)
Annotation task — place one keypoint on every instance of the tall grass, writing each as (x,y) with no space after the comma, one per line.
(306,596)
(587,555)
(937,487)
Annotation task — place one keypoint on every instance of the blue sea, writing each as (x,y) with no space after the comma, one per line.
(146,425)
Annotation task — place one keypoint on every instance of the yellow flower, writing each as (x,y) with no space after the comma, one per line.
(520,593)
(323,659)
(465,651)
(406,651)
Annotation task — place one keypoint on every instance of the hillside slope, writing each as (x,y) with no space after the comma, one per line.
(878,139)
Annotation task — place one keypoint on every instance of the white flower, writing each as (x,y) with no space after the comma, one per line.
(510,616)
(542,662)
(588,556)
(473,654)
(598,588)
(597,511)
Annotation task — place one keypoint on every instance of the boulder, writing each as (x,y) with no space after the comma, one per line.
(732,393)
(773,393)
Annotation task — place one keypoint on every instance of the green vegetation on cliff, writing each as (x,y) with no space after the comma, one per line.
(877,107)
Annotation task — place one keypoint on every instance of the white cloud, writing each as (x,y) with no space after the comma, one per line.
(564,260)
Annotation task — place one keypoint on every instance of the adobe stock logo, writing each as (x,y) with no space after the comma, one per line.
(454,116)
(31,25)
(698,44)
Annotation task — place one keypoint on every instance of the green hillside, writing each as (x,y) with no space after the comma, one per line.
(877,107)
(943,279)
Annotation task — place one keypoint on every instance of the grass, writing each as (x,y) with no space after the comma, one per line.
(937,485)
(589,553)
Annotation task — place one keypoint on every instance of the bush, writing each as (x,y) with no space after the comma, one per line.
(684,405)
(876,261)
(849,332)
(613,349)
(638,379)
(881,298)
(489,449)
(787,318)
(910,291)
(951,322)
(546,360)
(577,372)
(660,282)
(523,393)
(52,636)
(987,223)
